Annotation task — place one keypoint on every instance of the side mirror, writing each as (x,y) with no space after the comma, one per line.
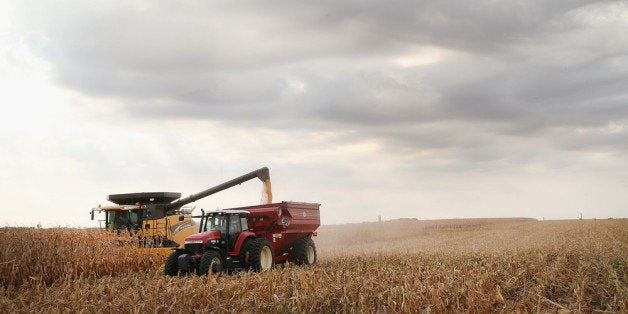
(92,213)
(181,217)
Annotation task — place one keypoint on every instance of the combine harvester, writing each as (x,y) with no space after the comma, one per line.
(253,237)
(162,219)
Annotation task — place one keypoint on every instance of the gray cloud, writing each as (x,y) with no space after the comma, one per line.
(517,70)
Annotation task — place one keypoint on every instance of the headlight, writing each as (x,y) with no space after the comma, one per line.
(193,241)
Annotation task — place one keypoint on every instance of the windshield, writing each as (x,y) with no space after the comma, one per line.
(218,222)
(123,219)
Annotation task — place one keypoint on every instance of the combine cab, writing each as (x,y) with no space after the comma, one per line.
(249,238)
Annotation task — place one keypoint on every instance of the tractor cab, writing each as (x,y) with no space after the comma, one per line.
(228,224)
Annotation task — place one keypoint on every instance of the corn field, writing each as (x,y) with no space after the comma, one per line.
(475,265)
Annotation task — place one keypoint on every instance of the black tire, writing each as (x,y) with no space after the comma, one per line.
(304,252)
(245,253)
(261,256)
(171,267)
(211,260)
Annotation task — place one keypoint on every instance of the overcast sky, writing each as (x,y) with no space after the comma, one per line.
(425,109)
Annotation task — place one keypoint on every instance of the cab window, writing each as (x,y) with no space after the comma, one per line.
(216,223)
(244,223)
(234,224)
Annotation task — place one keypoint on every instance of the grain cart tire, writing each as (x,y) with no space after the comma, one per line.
(245,253)
(261,256)
(304,252)
(171,267)
(211,260)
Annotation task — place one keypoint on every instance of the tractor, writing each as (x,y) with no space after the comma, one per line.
(248,238)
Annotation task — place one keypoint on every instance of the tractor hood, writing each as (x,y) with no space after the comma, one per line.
(203,237)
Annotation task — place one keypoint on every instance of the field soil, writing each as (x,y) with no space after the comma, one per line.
(476,265)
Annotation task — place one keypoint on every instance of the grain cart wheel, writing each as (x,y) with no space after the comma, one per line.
(210,260)
(261,257)
(171,267)
(245,253)
(304,251)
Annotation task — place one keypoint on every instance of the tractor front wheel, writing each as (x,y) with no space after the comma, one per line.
(245,253)
(171,267)
(211,260)
(261,256)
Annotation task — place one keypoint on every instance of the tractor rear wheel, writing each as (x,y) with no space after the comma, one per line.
(211,260)
(171,267)
(304,252)
(261,256)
